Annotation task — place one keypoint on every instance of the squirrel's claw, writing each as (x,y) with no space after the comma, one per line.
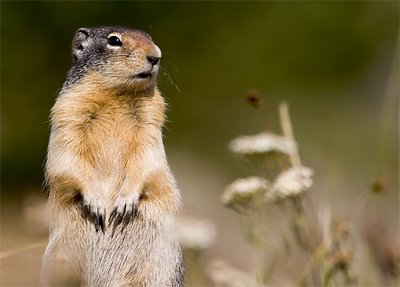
(94,215)
(101,223)
(122,215)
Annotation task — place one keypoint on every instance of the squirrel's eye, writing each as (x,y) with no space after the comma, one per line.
(114,41)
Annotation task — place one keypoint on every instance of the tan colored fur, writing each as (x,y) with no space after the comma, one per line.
(106,146)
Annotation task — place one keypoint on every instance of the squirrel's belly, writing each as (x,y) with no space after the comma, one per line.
(108,156)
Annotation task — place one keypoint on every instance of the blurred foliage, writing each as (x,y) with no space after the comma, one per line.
(330,60)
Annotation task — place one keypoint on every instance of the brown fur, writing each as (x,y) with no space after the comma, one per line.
(106,145)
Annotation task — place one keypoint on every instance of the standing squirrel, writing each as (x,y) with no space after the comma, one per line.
(113,199)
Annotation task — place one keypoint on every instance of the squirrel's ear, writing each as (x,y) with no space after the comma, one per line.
(82,40)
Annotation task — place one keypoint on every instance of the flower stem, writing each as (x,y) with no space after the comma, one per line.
(287,130)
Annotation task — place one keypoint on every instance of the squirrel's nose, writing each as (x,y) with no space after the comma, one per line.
(153,60)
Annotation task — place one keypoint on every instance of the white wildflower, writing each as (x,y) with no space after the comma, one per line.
(245,193)
(223,275)
(196,233)
(262,143)
(293,182)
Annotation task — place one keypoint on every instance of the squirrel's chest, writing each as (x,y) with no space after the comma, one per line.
(107,137)
(108,123)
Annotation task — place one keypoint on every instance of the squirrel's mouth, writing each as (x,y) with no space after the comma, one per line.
(144,75)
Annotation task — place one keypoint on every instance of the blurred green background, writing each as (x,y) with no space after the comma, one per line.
(334,62)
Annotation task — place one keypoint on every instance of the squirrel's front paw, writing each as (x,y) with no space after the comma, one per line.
(126,207)
(93,209)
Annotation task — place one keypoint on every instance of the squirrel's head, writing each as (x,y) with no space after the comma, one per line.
(115,57)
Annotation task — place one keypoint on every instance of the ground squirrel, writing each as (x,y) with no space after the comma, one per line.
(113,199)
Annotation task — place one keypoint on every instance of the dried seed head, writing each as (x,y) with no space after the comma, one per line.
(196,233)
(262,143)
(245,194)
(254,99)
(378,186)
(341,229)
(341,258)
(293,182)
